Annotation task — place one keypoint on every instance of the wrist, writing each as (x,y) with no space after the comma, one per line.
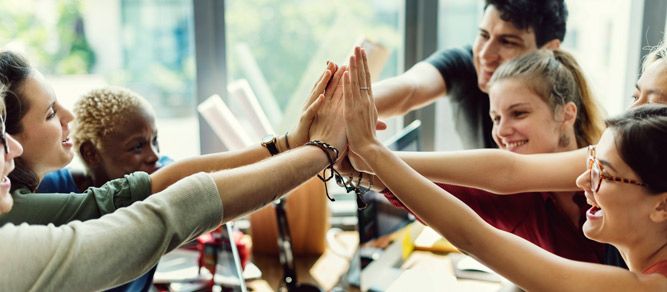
(283,143)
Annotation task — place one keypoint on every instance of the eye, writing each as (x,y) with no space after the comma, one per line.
(52,113)
(519,114)
(495,119)
(483,34)
(138,147)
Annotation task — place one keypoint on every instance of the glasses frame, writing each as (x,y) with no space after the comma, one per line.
(595,169)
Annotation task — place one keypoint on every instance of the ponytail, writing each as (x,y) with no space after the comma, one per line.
(558,79)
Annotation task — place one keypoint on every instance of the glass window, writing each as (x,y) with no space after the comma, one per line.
(143,45)
(279,48)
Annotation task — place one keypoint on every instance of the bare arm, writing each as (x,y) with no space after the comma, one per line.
(170,174)
(246,189)
(522,262)
(495,171)
(510,255)
(499,171)
(411,90)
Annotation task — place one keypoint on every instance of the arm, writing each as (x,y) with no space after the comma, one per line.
(510,255)
(132,239)
(411,90)
(226,160)
(500,171)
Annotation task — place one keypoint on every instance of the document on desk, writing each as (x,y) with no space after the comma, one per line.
(466,267)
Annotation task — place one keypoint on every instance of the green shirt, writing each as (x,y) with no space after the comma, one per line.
(58,209)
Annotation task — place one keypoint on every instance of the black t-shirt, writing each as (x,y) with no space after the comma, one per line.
(470,106)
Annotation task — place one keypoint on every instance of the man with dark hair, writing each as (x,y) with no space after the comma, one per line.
(508,29)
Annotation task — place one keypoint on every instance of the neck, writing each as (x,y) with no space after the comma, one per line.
(641,255)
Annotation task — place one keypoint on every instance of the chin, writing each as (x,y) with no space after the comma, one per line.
(6,203)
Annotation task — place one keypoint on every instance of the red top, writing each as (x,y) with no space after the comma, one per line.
(535,217)
(659,267)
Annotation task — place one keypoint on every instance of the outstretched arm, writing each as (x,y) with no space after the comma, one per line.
(168,175)
(520,261)
(411,90)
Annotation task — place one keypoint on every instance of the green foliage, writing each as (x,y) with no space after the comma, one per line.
(63,50)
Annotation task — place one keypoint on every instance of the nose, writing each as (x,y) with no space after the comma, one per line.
(489,52)
(505,128)
(584,181)
(153,155)
(66,116)
(15,148)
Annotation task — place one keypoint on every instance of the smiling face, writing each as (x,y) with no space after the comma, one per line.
(131,146)
(498,41)
(522,121)
(45,134)
(620,212)
(7,165)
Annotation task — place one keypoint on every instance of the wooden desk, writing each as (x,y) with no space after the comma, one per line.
(324,271)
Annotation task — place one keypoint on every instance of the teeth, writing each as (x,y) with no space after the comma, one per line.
(515,144)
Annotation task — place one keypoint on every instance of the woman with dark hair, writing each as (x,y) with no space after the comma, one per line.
(629,207)
(126,243)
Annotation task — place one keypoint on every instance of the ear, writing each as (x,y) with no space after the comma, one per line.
(659,213)
(569,113)
(89,154)
(551,45)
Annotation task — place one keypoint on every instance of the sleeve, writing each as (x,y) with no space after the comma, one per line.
(58,208)
(106,252)
(457,69)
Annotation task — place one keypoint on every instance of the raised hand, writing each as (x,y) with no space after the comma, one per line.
(328,126)
(360,112)
(324,86)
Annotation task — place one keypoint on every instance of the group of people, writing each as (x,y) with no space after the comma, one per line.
(581,199)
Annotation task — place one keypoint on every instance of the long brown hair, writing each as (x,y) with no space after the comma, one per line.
(558,79)
(14,70)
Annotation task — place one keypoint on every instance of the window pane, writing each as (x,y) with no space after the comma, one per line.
(142,45)
(280,47)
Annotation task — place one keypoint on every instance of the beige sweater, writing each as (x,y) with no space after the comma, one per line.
(112,250)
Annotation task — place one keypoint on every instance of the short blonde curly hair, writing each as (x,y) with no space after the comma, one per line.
(97,113)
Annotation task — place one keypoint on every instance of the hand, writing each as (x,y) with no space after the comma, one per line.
(325,85)
(327,126)
(360,112)
(359,164)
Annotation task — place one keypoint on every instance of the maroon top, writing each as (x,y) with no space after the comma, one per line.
(659,267)
(535,217)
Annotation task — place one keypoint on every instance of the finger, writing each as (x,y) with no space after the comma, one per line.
(362,71)
(335,82)
(318,88)
(369,82)
(311,112)
(354,78)
(347,96)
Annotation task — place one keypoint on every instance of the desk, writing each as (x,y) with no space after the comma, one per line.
(420,270)
(324,271)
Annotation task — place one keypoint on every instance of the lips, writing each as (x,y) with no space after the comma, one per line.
(512,145)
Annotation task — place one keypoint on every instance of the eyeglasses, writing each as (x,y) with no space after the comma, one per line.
(3,134)
(597,175)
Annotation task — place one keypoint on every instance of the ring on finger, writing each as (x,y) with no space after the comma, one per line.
(364,88)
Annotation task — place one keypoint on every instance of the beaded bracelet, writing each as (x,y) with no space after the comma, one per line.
(332,160)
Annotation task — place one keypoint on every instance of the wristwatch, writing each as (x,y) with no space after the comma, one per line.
(269,142)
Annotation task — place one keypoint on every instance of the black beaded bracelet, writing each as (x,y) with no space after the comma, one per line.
(332,160)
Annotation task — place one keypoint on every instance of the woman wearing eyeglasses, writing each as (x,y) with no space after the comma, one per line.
(539,103)
(631,213)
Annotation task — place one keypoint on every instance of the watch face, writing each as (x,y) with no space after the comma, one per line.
(268,139)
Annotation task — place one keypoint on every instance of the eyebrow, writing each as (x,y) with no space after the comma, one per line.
(650,91)
(511,107)
(506,35)
(607,164)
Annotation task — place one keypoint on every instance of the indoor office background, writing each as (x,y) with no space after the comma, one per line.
(179,52)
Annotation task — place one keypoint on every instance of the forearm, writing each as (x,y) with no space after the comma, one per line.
(172,173)
(248,188)
(416,88)
(498,171)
